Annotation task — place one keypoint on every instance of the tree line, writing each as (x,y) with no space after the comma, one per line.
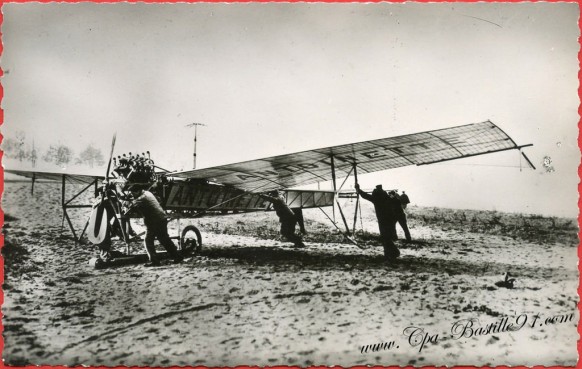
(59,154)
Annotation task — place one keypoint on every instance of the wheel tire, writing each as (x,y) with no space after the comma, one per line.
(191,240)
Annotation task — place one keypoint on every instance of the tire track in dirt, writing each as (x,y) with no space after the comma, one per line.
(158,317)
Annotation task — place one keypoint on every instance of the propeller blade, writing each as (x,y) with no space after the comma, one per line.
(110,157)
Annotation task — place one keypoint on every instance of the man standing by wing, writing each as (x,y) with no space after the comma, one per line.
(397,205)
(404,199)
(386,218)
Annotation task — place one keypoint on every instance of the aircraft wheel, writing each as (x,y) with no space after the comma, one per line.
(191,240)
(97,263)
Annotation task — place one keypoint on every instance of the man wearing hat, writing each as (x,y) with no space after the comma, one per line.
(404,199)
(386,218)
(154,218)
(287,217)
(400,215)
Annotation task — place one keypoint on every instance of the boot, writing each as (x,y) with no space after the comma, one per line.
(391,252)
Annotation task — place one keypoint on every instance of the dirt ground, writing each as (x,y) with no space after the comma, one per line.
(251,299)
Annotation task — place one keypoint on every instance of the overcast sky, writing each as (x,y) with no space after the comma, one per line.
(276,78)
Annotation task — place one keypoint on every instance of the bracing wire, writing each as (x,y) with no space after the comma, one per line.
(486,165)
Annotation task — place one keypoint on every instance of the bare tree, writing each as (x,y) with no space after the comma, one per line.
(14,147)
(59,155)
(91,156)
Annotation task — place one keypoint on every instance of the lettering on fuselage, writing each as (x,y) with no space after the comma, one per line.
(202,196)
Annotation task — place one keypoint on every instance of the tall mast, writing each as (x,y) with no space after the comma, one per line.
(195,125)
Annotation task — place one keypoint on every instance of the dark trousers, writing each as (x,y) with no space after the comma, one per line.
(288,231)
(387,234)
(401,219)
(159,231)
(299,216)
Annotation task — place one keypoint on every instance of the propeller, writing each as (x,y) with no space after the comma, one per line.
(110,157)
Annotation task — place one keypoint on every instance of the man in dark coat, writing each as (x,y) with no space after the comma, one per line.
(386,218)
(396,203)
(154,218)
(287,218)
(404,200)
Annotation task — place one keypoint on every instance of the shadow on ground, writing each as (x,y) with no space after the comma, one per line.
(326,259)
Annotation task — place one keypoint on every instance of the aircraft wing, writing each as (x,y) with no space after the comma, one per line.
(307,167)
(55,176)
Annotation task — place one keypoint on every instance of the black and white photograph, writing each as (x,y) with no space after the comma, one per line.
(300,184)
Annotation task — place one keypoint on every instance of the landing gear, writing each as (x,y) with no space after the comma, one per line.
(190,243)
(191,240)
(97,263)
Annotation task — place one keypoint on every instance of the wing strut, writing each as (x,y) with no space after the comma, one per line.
(357,198)
(527,159)
(33,180)
(348,233)
(338,228)
(334,185)
(66,204)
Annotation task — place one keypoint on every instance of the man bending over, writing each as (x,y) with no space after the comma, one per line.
(154,218)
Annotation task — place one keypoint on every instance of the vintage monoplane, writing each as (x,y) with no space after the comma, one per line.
(239,187)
